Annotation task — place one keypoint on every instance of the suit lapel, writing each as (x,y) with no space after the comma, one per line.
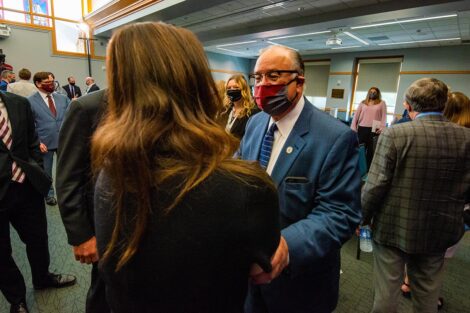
(43,105)
(261,129)
(293,146)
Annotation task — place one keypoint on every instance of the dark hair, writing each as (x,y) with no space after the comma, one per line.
(427,95)
(168,111)
(40,76)
(24,73)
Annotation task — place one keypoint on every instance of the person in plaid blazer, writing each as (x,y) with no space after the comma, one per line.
(416,188)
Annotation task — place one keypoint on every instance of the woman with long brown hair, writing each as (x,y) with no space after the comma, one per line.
(239,105)
(178,221)
(372,110)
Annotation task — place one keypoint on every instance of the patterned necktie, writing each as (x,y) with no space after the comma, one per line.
(267,146)
(51,105)
(6,136)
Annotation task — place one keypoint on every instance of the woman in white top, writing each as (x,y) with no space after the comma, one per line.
(372,112)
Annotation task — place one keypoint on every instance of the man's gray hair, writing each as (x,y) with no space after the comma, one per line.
(427,95)
(5,73)
(296,57)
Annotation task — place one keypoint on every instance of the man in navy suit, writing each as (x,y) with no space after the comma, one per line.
(313,161)
(48,109)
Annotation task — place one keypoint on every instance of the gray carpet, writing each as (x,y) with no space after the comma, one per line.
(355,289)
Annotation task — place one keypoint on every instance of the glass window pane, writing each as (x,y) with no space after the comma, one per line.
(15,17)
(22,5)
(67,37)
(42,7)
(96,4)
(42,21)
(69,9)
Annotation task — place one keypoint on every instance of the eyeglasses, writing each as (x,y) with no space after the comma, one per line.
(271,76)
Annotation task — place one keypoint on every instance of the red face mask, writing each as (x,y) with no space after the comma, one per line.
(273,99)
(48,87)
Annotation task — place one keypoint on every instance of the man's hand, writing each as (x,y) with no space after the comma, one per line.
(42,147)
(279,261)
(87,251)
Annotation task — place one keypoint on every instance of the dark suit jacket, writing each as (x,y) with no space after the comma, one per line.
(196,258)
(25,148)
(418,184)
(74,184)
(68,90)
(318,183)
(94,87)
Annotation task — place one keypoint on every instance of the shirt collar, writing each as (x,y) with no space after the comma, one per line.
(43,94)
(286,123)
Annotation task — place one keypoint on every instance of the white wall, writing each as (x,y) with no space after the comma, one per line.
(32,49)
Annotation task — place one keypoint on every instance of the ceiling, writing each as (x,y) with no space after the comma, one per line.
(243,27)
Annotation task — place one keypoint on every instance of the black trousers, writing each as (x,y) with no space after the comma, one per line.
(23,207)
(366,137)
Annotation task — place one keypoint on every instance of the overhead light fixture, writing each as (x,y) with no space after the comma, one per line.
(278,44)
(405,21)
(300,35)
(236,43)
(417,41)
(275,5)
(233,51)
(345,47)
(357,38)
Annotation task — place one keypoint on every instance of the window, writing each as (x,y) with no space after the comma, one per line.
(316,82)
(64,21)
(96,4)
(381,73)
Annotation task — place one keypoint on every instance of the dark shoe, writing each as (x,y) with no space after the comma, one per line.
(19,308)
(440,303)
(51,201)
(405,290)
(57,281)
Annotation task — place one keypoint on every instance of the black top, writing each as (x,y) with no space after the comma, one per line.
(74,182)
(238,127)
(197,258)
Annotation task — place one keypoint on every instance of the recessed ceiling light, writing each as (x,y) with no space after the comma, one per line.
(233,51)
(236,43)
(345,47)
(277,44)
(300,35)
(417,41)
(405,21)
(357,38)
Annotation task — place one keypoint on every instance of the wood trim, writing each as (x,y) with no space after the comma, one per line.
(25,25)
(226,71)
(89,7)
(327,109)
(340,73)
(432,72)
(116,10)
(381,57)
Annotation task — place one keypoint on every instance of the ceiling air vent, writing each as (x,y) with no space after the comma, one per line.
(378,38)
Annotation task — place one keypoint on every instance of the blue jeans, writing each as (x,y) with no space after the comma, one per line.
(48,159)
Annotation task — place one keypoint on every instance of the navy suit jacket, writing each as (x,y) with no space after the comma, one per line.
(318,182)
(48,126)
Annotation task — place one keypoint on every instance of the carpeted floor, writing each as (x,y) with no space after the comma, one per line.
(355,290)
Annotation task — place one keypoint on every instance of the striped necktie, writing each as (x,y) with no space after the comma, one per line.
(267,146)
(6,136)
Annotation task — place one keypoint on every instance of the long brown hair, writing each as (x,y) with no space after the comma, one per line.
(248,104)
(159,125)
(379,96)
(457,109)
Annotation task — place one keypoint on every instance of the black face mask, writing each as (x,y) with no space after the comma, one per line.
(12,81)
(72,84)
(234,94)
(372,95)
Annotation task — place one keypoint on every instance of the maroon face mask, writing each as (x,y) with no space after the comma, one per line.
(273,99)
(48,87)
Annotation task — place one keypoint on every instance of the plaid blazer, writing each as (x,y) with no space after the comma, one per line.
(417,185)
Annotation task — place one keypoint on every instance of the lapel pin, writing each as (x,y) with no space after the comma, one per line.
(289,150)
